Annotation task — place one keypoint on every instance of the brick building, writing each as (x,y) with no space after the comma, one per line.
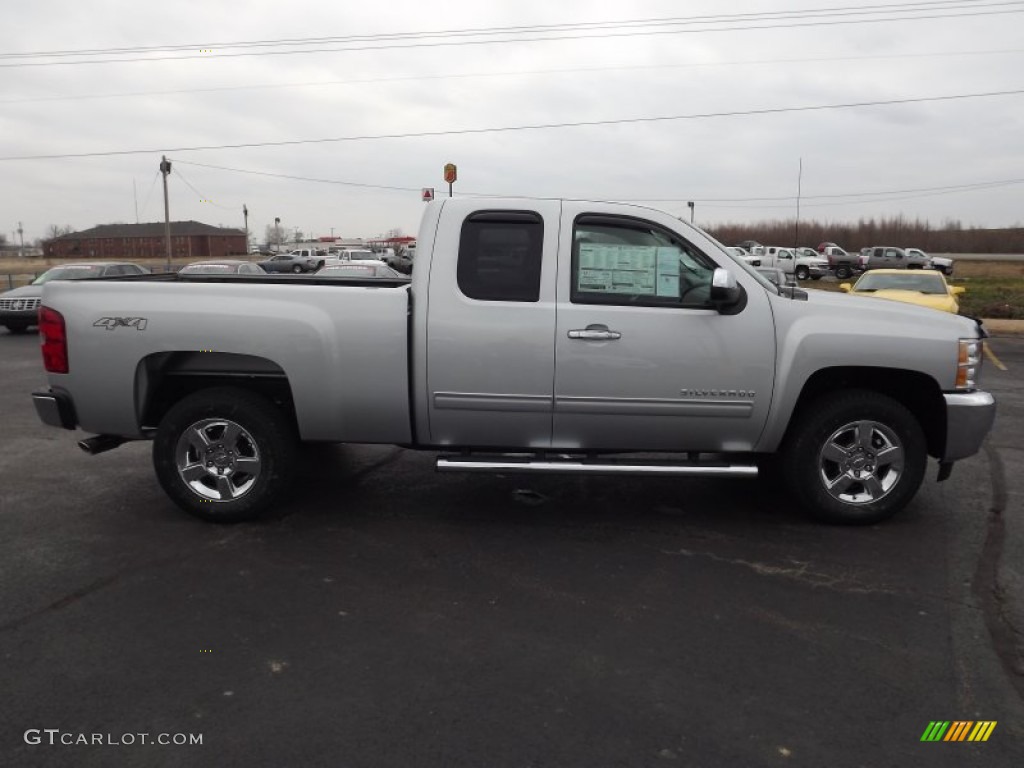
(190,240)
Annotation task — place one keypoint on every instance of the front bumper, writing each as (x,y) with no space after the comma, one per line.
(55,408)
(19,316)
(969,417)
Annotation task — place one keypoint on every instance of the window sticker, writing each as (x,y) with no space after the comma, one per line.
(668,272)
(630,269)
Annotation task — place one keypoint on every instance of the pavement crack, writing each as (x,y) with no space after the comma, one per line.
(797,570)
(100,584)
(1006,638)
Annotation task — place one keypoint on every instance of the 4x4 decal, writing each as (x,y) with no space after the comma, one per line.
(110,323)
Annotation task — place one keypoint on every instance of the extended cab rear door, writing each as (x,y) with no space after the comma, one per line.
(642,361)
(490,324)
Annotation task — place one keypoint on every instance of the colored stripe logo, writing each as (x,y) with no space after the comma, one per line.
(958,730)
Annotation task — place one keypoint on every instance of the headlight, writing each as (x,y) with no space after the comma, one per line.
(968,363)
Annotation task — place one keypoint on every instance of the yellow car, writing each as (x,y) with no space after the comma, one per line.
(926,288)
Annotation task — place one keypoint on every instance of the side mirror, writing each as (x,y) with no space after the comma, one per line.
(725,291)
(845,287)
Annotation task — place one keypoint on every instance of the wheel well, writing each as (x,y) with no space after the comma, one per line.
(164,379)
(918,392)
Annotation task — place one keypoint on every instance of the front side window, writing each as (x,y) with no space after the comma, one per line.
(500,255)
(619,260)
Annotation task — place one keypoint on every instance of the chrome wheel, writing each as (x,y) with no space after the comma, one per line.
(217,459)
(861,462)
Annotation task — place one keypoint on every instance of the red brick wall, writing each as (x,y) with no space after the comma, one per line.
(190,248)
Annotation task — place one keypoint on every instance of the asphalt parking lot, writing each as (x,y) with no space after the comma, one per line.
(391,616)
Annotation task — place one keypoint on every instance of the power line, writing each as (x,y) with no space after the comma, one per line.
(534,127)
(514,73)
(884,8)
(547,35)
(882,195)
(202,198)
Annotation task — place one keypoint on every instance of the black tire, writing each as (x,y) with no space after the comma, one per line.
(17,327)
(265,442)
(843,271)
(801,273)
(296,269)
(864,428)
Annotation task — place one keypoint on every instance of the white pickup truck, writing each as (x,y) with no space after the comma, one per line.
(800,266)
(536,336)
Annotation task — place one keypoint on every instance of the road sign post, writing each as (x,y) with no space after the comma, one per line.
(451,173)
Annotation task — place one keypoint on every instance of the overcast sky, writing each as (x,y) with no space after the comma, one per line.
(375,73)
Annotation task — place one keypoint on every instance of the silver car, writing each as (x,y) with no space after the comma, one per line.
(19,308)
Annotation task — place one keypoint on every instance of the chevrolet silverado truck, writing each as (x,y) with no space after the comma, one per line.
(535,336)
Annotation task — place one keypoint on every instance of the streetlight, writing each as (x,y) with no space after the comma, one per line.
(692,205)
(277,233)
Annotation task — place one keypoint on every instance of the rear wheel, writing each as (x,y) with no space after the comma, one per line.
(857,457)
(843,271)
(225,454)
(296,269)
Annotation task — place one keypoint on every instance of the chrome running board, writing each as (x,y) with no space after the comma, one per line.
(555,464)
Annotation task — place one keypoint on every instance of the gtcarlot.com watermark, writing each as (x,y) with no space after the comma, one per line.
(55,737)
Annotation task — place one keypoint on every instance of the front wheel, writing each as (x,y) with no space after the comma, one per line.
(296,269)
(857,457)
(225,454)
(843,271)
(802,273)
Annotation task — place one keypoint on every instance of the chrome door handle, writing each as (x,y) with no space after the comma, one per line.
(595,333)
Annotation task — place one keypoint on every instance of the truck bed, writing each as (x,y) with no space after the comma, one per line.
(339,345)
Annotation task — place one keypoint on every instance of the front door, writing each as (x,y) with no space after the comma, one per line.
(642,361)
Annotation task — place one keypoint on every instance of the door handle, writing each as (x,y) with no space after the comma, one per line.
(596,332)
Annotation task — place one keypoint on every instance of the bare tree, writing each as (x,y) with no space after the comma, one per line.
(55,230)
(275,235)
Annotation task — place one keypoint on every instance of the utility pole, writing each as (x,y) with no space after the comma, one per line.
(799,189)
(165,169)
(692,205)
(245,213)
(21,239)
(277,233)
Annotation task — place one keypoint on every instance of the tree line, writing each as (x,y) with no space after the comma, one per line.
(898,231)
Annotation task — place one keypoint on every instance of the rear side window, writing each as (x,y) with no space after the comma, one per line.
(500,256)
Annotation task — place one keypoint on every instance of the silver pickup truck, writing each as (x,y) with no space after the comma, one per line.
(536,336)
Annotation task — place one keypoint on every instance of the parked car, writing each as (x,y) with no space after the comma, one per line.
(401,261)
(19,307)
(537,336)
(839,261)
(801,267)
(222,267)
(940,263)
(890,257)
(747,256)
(359,268)
(778,277)
(926,289)
(291,262)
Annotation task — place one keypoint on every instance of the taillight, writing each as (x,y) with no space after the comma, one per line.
(54,340)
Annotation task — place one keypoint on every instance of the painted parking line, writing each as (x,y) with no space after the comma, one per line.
(995,360)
